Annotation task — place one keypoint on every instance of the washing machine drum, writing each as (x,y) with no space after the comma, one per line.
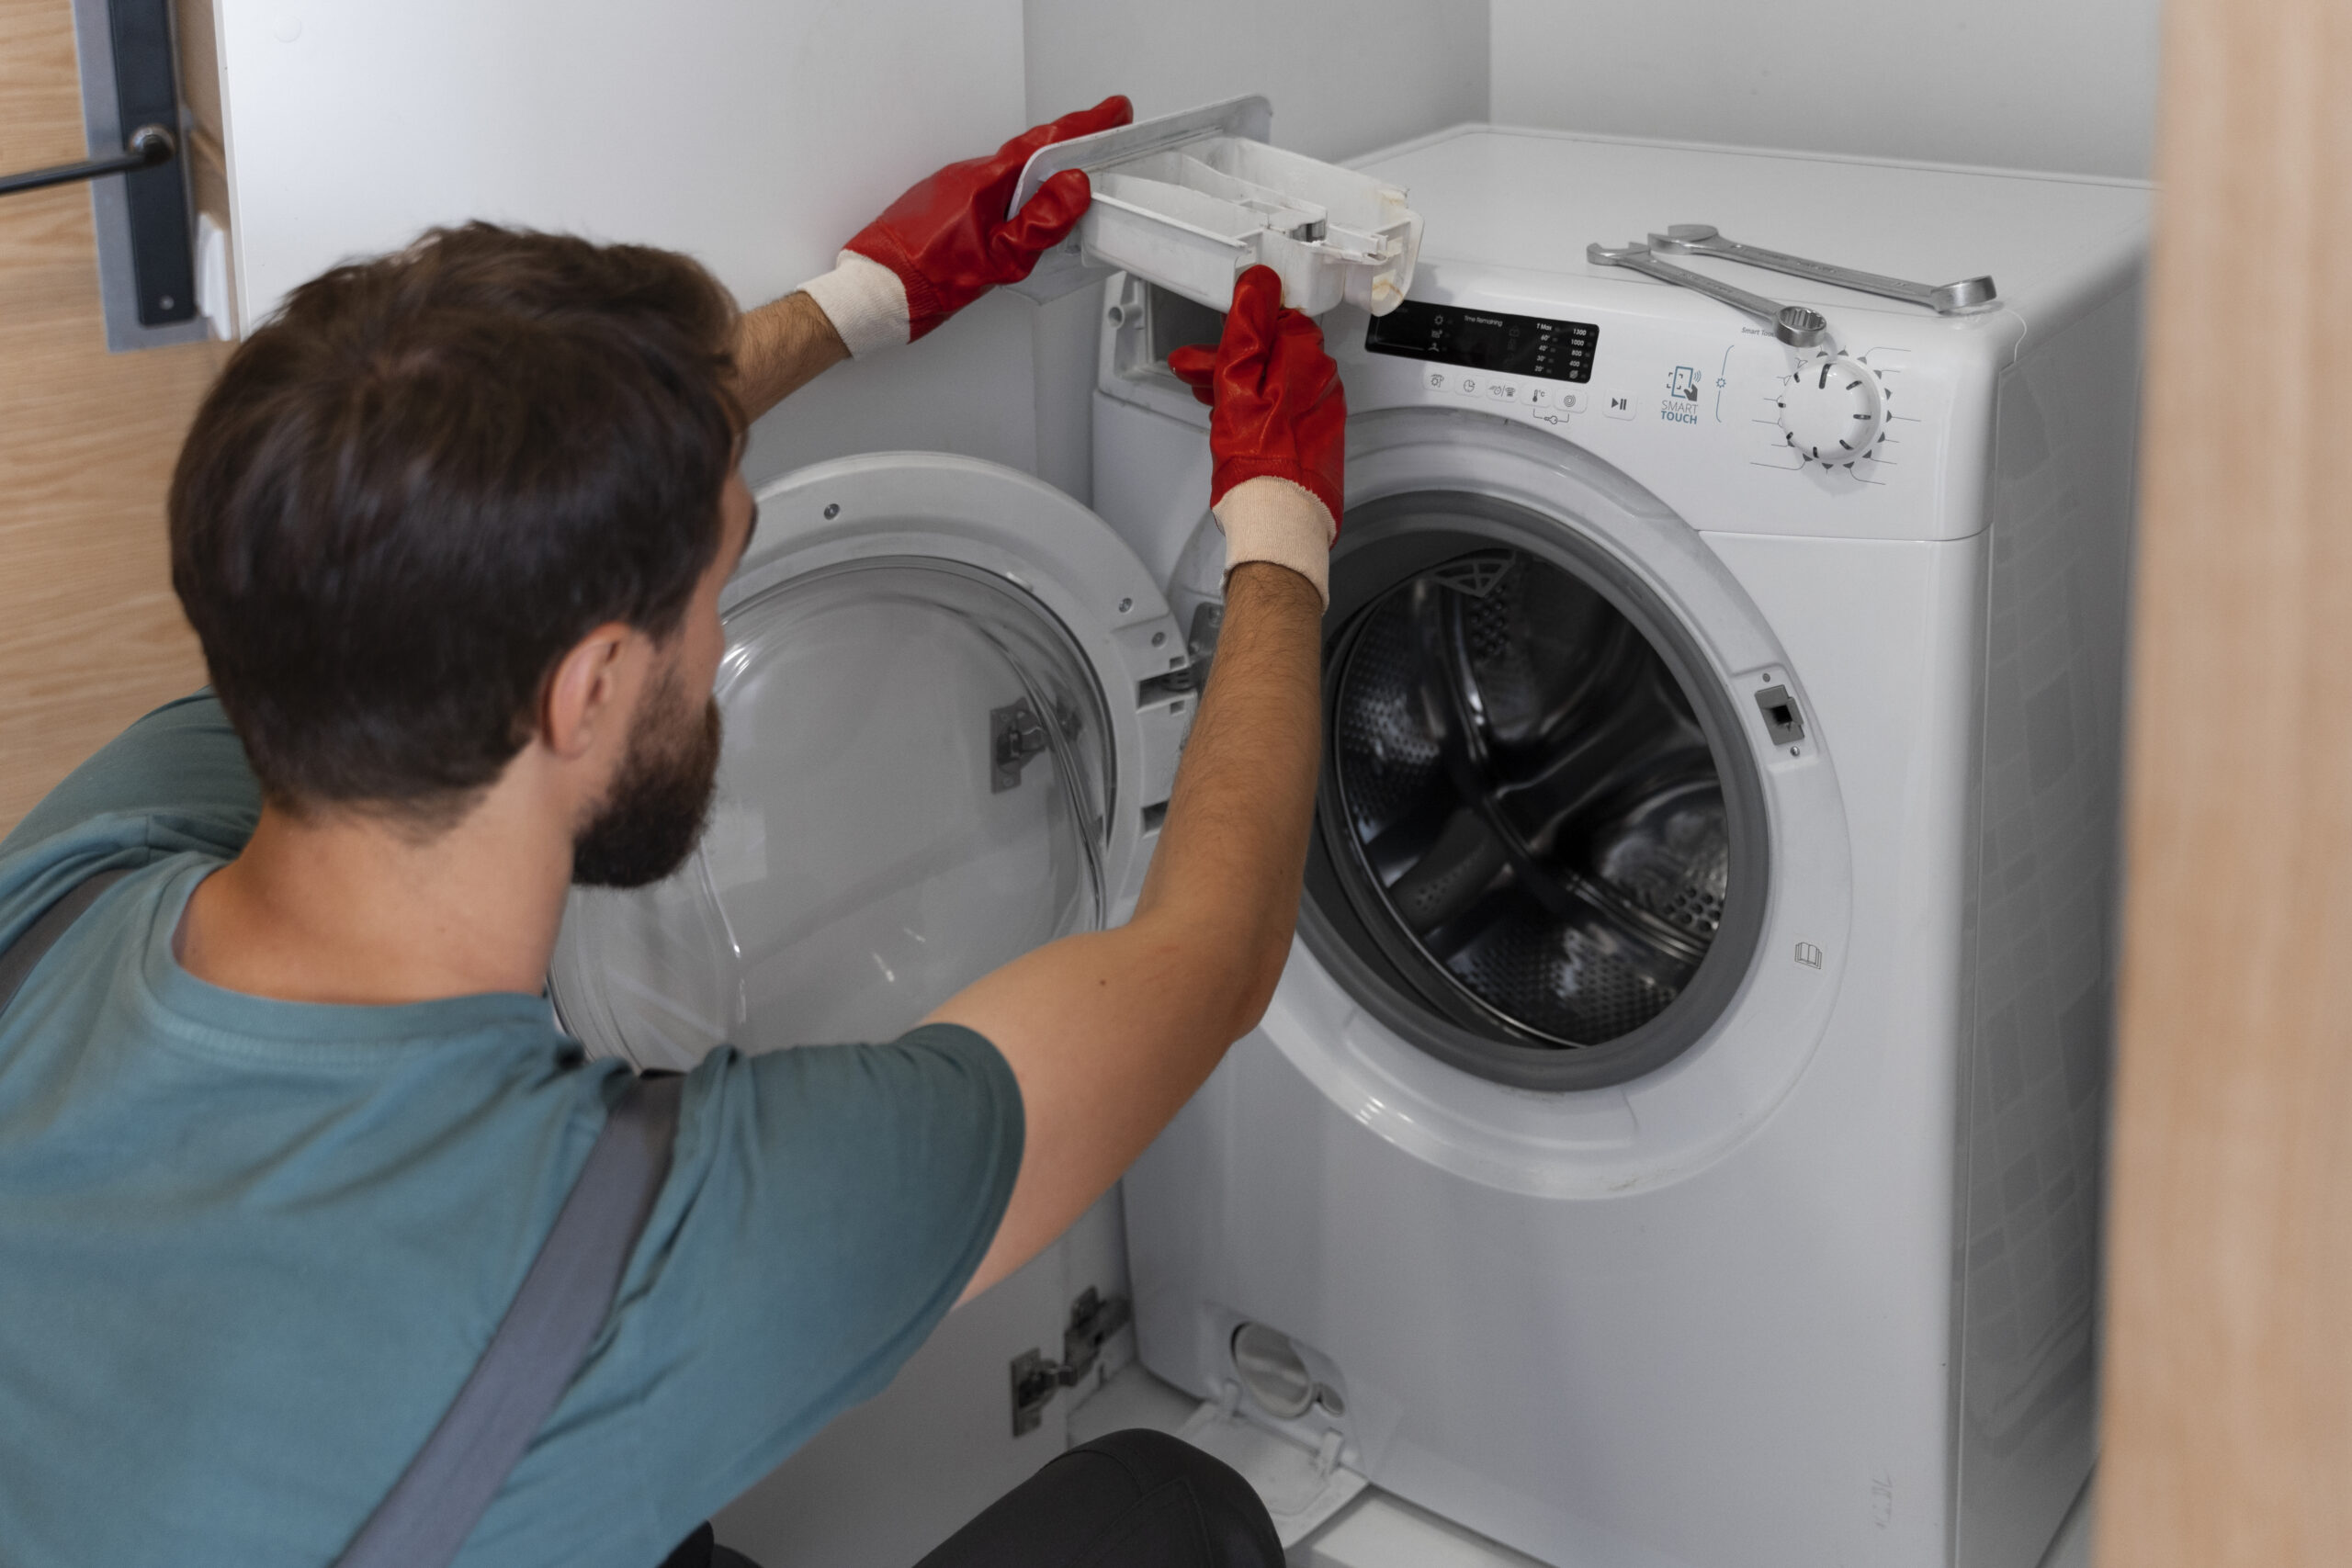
(1539,851)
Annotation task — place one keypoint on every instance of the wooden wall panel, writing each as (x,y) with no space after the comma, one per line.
(90,635)
(2228,1437)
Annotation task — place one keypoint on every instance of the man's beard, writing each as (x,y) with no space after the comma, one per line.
(653,812)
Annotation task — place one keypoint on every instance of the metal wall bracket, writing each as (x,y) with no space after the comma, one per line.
(144,218)
(1094,1318)
(147,92)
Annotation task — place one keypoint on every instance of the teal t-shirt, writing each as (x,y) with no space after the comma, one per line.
(249,1249)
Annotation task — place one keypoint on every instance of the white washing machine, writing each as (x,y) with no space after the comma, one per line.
(1677,1136)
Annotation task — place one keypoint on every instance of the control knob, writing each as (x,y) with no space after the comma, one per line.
(1833,411)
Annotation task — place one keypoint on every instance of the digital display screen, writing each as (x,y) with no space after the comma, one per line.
(1487,340)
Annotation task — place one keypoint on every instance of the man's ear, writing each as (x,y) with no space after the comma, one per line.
(588,694)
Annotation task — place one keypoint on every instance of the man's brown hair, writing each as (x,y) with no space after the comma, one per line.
(425,480)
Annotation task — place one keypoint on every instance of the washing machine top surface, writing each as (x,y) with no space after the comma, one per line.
(1534,199)
(1880,430)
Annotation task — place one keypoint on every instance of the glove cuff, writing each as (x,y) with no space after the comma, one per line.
(1233,472)
(1275,519)
(864,300)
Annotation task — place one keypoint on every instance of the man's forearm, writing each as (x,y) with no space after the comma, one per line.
(781,347)
(1109,1032)
(1227,872)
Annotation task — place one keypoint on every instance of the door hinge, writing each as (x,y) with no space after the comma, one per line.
(1094,1318)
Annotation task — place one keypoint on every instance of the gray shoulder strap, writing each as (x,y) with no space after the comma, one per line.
(564,1299)
(553,1319)
(18,959)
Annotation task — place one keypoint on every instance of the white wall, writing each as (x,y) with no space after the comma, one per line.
(757,137)
(2059,85)
(1345,77)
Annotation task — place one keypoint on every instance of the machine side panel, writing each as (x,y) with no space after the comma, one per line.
(2033,1118)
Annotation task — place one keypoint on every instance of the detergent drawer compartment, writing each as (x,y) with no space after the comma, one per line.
(1193,200)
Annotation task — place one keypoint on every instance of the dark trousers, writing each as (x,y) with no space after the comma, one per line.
(1134,1499)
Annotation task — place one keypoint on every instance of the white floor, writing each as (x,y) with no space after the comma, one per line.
(1380,1531)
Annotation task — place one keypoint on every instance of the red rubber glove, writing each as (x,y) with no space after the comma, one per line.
(1279,433)
(946,241)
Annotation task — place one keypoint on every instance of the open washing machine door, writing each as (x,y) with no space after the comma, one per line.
(954,702)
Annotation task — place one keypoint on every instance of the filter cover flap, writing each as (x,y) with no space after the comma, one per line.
(1301,1487)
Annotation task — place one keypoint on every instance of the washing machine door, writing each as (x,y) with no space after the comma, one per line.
(952,698)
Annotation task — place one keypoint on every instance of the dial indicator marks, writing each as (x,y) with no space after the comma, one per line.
(1834,411)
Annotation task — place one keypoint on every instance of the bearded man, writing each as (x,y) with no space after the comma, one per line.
(285,1121)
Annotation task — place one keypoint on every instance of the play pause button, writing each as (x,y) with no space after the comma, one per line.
(1618,406)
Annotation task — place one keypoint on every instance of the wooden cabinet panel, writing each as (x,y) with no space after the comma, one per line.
(2228,1434)
(90,633)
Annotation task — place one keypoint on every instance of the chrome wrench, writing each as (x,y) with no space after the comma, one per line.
(1963,298)
(1799,326)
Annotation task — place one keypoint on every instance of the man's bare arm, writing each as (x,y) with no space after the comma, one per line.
(780,348)
(1109,1032)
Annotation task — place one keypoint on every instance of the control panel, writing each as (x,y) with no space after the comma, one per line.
(1858,438)
(1729,426)
(1486,340)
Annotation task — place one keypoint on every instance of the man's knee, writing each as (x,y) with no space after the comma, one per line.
(1240,1532)
(1137,1496)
